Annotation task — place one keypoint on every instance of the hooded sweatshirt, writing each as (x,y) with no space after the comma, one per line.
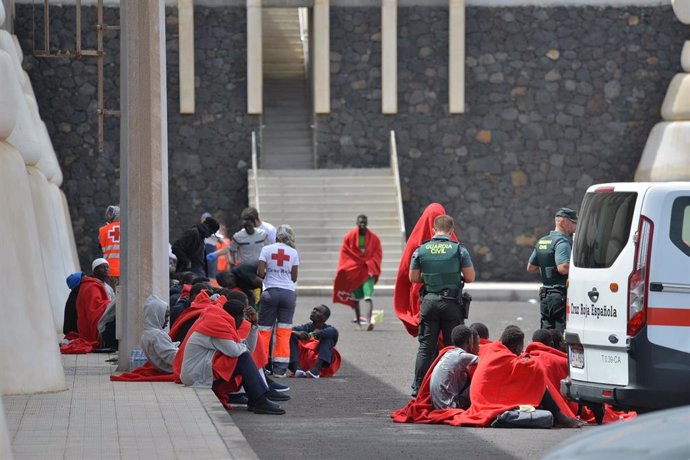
(155,342)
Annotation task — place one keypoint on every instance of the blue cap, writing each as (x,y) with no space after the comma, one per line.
(74,280)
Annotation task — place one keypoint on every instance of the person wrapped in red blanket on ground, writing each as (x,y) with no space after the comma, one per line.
(406,295)
(483,332)
(503,380)
(200,296)
(312,347)
(543,350)
(359,268)
(213,356)
(93,299)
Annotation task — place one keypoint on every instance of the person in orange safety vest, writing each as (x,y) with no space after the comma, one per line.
(109,240)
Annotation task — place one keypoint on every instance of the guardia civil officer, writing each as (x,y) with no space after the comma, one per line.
(551,258)
(444,267)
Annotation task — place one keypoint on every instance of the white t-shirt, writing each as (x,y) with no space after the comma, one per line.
(279,258)
(270,232)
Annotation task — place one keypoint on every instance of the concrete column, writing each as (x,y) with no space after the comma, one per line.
(255,72)
(143,166)
(322,57)
(389,56)
(6,18)
(185,24)
(456,56)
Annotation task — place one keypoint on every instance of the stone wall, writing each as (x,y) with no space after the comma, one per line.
(557,99)
(209,152)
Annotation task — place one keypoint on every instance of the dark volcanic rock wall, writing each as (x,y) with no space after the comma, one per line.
(556,99)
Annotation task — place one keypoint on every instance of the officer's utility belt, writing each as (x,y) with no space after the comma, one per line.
(544,291)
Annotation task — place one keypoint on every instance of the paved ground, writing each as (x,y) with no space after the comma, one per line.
(343,417)
(347,416)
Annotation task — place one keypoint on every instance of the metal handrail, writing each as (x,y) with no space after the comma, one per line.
(396,175)
(255,172)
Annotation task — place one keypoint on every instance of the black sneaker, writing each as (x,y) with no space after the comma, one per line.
(267,407)
(273,385)
(238,400)
(274,395)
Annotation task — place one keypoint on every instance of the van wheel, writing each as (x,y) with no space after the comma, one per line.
(598,410)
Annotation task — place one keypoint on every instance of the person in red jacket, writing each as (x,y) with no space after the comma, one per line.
(359,268)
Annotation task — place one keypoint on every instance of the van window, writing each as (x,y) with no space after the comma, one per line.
(603,229)
(680,224)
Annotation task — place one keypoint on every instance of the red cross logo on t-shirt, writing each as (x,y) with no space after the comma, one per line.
(280,257)
(114,234)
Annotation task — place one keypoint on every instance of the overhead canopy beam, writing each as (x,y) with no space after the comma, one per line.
(389,56)
(322,57)
(255,72)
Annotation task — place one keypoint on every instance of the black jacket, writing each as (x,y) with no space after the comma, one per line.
(189,249)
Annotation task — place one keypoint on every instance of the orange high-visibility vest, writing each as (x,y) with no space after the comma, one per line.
(109,238)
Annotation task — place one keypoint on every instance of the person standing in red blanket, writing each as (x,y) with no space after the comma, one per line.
(213,355)
(359,268)
(406,295)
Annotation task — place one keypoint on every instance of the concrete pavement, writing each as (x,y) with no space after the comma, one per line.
(343,417)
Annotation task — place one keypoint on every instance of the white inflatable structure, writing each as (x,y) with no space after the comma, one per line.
(32,217)
(666,156)
(5,446)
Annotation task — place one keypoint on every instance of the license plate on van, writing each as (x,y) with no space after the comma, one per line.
(577,357)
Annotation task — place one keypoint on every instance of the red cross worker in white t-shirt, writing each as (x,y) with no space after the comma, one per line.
(278,264)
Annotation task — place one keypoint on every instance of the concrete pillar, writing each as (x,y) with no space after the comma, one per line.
(143,166)
(185,24)
(456,56)
(7,15)
(322,57)
(389,56)
(255,57)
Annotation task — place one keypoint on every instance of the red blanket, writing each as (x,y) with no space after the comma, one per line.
(145,373)
(501,382)
(259,354)
(91,303)
(309,354)
(354,268)
(555,365)
(406,294)
(216,323)
(77,346)
(201,302)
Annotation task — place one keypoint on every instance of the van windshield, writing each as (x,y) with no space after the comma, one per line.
(603,229)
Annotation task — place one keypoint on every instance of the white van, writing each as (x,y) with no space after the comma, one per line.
(628,310)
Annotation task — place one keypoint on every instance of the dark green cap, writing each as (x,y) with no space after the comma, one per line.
(567,213)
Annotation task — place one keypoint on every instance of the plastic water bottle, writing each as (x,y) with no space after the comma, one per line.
(137,358)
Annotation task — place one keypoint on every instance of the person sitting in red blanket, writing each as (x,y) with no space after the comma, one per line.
(312,346)
(503,380)
(359,268)
(451,377)
(200,296)
(213,356)
(406,295)
(546,349)
(94,297)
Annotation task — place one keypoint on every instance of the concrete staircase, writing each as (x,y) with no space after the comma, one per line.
(286,135)
(322,206)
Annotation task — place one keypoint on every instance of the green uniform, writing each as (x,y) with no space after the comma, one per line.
(440,261)
(551,251)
